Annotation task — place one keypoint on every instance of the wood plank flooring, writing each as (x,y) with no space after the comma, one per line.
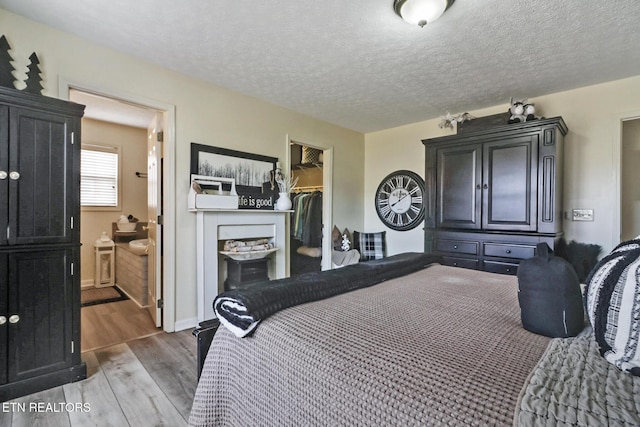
(116,322)
(145,382)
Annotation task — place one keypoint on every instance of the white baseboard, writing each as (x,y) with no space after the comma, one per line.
(84,284)
(132,298)
(181,325)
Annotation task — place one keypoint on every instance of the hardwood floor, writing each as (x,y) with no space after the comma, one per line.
(113,323)
(144,382)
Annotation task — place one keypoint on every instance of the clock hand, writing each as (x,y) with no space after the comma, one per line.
(400,199)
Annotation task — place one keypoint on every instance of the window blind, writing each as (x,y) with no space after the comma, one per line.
(99,177)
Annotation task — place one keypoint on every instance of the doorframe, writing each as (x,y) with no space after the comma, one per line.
(327,192)
(169,183)
(618,122)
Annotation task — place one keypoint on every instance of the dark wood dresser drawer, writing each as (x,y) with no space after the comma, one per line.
(459,246)
(501,267)
(504,250)
(471,263)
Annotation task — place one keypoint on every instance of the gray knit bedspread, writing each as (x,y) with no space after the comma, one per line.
(573,385)
(442,346)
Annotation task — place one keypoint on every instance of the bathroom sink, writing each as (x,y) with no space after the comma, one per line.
(139,246)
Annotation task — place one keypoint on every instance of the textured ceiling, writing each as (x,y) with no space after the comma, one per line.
(357,64)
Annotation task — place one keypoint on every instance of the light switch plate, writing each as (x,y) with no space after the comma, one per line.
(582,215)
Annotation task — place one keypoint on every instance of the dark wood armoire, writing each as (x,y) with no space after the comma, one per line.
(494,194)
(39,243)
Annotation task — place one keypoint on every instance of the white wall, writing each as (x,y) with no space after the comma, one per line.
(205,114)
(592,114)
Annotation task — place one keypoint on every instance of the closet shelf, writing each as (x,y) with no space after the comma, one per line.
(307,188)
(306,165)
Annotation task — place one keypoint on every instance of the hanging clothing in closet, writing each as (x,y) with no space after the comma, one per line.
(307,218)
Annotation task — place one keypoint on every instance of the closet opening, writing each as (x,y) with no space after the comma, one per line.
(306,225)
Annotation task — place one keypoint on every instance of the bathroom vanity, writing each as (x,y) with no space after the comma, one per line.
(132,272)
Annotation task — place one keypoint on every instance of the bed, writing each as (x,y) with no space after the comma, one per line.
(437,346)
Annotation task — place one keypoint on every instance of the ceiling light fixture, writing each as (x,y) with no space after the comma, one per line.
(421,12)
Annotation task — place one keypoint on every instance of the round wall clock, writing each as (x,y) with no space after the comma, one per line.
(399,200)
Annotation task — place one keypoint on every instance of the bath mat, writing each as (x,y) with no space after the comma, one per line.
(95,296)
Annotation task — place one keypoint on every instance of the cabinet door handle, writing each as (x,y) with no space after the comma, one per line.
(485,186)
(3,320)
(3,175)
(477,186)
(14,318)
(508,251)
(14,175)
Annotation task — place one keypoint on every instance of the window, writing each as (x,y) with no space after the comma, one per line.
(99,177)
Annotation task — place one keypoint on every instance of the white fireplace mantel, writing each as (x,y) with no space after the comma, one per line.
(217,225)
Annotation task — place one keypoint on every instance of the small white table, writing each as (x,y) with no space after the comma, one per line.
(105,266)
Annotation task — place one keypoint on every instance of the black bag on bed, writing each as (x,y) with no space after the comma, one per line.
(549,295)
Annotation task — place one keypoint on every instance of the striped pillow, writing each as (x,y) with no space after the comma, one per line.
(613,305)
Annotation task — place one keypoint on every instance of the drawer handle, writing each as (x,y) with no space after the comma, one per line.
(455,246)
(455,264)
(3,175)
(14,175)
(3,320)
(508,270)
(14,318)
(508,251)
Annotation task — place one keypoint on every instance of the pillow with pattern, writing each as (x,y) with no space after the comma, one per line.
(370,245)
(613,304)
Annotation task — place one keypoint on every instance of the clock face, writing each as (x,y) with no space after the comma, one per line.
(399,200)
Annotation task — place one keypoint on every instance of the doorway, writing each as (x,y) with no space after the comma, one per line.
(305,243)
(312,164)
(134,133)
(629,178)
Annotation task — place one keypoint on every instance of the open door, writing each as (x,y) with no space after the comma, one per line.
(154,198)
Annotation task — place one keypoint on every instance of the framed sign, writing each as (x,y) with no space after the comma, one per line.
(249,170)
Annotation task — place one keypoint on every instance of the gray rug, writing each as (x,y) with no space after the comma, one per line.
(95,296)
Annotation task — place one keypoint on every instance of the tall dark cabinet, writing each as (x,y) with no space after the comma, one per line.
(39,243)
(494,194)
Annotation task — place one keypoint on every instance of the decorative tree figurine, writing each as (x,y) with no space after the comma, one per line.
(6,69)
(33,76)
(346,244)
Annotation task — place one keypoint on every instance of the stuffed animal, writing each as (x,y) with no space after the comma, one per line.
(517,111)
(530,111)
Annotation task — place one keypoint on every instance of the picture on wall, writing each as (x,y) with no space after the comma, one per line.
(249,170)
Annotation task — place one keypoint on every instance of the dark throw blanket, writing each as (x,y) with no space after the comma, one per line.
(241,310)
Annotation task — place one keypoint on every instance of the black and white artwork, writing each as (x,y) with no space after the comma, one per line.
(250,170)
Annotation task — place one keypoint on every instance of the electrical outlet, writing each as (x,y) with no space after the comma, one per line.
(582,215)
